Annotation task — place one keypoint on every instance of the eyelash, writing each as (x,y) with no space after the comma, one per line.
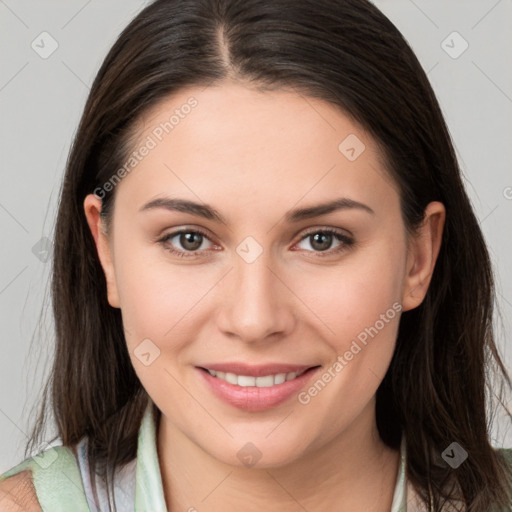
(347,242)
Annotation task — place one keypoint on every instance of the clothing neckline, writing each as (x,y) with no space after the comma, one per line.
(149,494)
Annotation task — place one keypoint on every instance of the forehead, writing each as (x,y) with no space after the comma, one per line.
(231,142)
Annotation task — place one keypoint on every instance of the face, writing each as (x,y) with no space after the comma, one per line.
(256,280)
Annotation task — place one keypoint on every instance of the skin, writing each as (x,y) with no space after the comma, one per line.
(17,494)
(254,156)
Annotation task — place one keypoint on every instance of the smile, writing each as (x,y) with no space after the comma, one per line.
(269,386)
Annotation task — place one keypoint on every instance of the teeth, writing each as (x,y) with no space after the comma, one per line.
(265,381)
(279,378)
(243,380)
(231,378)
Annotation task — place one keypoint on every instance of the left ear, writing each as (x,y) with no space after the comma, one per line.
(423,249)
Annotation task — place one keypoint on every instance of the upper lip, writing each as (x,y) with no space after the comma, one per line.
(255,370)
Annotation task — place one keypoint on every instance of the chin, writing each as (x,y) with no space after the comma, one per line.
(256,454)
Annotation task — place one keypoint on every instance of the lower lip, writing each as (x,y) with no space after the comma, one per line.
(253,398)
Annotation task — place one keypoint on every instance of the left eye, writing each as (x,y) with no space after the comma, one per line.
(322,239)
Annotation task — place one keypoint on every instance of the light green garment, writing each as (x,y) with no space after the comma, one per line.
(59,486)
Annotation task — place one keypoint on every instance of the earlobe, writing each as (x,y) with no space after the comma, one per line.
(92,208)
(423,251)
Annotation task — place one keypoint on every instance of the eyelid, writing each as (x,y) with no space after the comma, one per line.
(316,229)
(186,229)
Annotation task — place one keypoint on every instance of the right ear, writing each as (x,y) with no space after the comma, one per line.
(92,208)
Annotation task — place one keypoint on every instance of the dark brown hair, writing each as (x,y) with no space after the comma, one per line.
(349,54)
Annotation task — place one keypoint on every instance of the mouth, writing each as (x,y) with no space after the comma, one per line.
(255,388)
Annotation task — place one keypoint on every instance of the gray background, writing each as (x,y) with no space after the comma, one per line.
(41,100)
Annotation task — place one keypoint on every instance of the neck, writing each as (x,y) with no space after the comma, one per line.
(353,471)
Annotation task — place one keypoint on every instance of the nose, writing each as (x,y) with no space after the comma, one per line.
(258,305)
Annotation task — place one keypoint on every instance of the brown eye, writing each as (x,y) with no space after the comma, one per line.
(185,242)
(321,241)
(191,241)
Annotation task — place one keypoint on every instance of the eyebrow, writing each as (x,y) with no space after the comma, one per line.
(208,212)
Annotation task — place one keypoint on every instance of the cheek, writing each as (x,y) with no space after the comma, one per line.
(159,300)
(156,299)
(359,306)
(150,294)
(349,297)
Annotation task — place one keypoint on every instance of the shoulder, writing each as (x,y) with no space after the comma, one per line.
(42,482)
(17,494)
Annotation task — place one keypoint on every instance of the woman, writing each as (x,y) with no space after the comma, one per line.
(269,285)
